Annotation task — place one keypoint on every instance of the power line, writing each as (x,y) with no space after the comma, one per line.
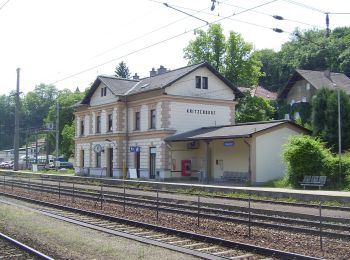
(273,16)
(305,6)
(148,33)
(241,21)
(160,42)
(4,4)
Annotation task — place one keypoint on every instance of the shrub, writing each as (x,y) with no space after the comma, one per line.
(306,155)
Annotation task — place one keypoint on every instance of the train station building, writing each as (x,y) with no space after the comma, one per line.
(174,124)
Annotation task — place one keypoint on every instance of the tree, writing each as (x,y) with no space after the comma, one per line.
(7,119)
(234,58)
(254,109)
(325,117)
(37,103)
(122,71)
(67,147)
(272,68)
(66,99)
(305,155)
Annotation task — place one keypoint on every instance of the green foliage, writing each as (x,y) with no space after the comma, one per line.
(303,108)
(37,103)
(67,147)
(306,155)
(272,68)
(234,58)
(278,183)
(7,120)
(325,117)
(122,70)
(254,109)
(66,99)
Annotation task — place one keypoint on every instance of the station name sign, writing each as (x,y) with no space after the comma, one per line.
(200,111)
(135,149)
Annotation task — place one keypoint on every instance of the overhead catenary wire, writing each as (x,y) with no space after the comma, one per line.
(4,4)
(305,6)
(277,17)
(160,42)
(148,33)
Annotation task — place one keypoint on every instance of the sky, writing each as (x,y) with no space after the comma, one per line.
(68,43)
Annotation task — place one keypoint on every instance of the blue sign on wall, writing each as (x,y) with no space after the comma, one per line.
(135,149)
(229,143)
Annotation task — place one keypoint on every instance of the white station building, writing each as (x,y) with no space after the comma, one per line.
(176,124)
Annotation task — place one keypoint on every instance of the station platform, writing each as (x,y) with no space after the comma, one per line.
(308,195)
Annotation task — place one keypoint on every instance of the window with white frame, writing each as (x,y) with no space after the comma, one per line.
(103,91)
(201,82)
(204,82)
(82,128)
(137,121)
(98,124)
(110,123)
(153,119)
(198,81)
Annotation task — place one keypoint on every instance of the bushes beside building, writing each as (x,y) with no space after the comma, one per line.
(306,155)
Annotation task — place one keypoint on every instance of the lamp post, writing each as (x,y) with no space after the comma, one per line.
(339,136)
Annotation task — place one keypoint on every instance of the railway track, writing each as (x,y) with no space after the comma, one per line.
(334,227)
(202,246)
(13,249)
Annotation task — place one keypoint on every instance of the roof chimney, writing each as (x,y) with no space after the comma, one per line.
(136,76)
(161,70)
(152,73)
(327,74)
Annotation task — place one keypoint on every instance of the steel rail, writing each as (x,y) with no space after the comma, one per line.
(26,248)
(191,211)
(209,239)
(151,200)
(92,181)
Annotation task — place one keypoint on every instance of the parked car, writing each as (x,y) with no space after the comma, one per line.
(6,165)
(62,164)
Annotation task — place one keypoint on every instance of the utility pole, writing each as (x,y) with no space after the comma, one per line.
(339,136)
(57,132)
(16,137)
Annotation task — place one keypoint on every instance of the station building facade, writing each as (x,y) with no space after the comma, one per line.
(121,124)
(175,124)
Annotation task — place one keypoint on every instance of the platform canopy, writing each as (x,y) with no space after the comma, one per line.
(229,131)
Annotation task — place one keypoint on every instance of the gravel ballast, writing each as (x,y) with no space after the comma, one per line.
(61,240)
(272,238)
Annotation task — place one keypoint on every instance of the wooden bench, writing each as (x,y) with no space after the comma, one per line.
(239,177)
(314,181)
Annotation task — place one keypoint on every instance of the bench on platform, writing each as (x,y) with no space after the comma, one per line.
(239,177)
(314,181)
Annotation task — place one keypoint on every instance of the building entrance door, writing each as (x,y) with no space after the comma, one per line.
(152,163)
(110,162)
(137,155)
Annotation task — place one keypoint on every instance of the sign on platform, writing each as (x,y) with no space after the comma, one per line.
(229,143)
(135,149)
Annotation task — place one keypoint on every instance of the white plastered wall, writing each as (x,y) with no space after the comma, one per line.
(217,89)
(269,147)
(96,98)
(189,116)
(232,158)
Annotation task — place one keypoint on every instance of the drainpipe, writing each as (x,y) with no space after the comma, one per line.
(208,161)
(249,163)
